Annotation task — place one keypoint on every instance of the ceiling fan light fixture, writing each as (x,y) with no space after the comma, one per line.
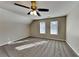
(33,12)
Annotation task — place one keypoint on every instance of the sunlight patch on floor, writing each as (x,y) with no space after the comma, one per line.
(30,45)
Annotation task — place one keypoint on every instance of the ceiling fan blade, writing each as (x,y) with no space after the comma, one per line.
(38,14)
(43,10)
(28,13)
(21,5)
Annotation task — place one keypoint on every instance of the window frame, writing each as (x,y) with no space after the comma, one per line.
(57,27)
(44,27)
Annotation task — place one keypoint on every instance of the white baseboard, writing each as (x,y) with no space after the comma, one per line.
(4,44)
(72,48)
(9,42)
(50,38)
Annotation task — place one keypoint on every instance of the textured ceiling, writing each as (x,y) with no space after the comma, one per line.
(56,8)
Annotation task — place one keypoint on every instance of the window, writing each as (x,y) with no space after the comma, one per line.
(54,27)
(42,27)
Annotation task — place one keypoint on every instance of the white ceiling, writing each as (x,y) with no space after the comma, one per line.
(56,8)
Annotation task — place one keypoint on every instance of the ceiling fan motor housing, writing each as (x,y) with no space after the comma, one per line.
(33,6)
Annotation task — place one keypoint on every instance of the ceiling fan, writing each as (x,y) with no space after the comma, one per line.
(34,8)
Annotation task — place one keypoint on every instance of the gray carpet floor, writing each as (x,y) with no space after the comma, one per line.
(50,48)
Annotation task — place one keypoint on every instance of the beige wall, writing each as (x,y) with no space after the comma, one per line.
(72,35)
(35,29)
(10,30)
(18,31)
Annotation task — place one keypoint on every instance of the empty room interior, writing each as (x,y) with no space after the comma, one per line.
(39,28)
